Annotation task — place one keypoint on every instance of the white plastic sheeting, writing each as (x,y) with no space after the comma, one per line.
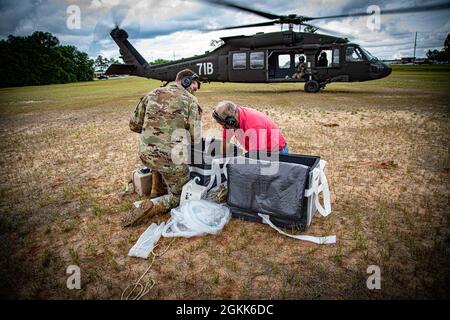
(192,218)
(147,241)
(196,218)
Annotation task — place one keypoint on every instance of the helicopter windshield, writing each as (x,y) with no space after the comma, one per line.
(368,55)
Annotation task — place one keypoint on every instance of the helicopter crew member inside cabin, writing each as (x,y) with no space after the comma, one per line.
(301,68)
(156,117)
(322,61)
(254,130)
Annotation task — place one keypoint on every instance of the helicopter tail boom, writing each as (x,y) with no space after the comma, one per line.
(135,64)
(121,69)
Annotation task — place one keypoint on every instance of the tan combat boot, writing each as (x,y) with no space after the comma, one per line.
(136,215)
(149,208)
(158,186)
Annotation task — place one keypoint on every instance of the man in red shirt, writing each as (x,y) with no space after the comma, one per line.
(254,130)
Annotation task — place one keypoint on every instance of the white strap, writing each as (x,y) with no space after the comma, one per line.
(212,178)
(217,172)
(320,184)
(317,240)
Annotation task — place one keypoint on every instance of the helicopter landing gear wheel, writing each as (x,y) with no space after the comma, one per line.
(312,86)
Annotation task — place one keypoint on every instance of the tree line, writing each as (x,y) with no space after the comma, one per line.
(39,59)
(441,55)
(101,63)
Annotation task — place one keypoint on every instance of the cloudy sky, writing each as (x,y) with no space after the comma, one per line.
(170,29)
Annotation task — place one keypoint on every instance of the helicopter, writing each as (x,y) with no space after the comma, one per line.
(270,57)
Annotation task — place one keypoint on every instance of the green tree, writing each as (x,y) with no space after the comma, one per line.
(441,55)
(160,61)
(101,63)
(114,61)
(40,59)
(447,47)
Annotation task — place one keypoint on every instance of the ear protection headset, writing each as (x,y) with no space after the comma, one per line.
(229,120)
(187,81)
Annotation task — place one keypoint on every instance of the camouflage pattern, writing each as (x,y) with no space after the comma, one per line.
(156,117)
(300,71)
(174,182)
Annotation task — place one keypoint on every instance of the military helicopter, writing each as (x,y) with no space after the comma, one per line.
(271,57)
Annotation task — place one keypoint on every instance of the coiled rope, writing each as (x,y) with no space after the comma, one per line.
(139,290)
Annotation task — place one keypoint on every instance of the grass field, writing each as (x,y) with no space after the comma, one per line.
(66,151)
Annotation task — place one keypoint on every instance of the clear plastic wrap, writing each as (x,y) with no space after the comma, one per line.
(196,218)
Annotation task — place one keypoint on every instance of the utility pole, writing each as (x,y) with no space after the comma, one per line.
(415,44)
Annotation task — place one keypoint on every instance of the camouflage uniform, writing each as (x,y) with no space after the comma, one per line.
(156,117)
(300,71)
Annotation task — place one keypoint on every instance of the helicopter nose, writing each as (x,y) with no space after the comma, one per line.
(387,69)
(380,70)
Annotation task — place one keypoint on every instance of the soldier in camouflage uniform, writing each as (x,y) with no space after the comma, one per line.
(156,117)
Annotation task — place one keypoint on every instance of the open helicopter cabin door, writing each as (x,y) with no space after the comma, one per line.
(247,66)
(281,65)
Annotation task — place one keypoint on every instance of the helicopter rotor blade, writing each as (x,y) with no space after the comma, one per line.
(229,4)
(424,8)
(262,24)
(331,32)
(118,14)
(114,18)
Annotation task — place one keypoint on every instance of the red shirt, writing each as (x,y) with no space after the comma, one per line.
(256,131)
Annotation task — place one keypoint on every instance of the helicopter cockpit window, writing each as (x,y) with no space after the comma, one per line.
(239,61)
(353,54)
(284,61)
(368,55)
(257,60)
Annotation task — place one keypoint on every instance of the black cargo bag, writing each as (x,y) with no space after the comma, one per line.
(286,197)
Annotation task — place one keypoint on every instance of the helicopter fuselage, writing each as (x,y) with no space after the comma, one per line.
(264,58)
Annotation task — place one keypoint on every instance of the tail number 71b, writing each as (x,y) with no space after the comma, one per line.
(205,68)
